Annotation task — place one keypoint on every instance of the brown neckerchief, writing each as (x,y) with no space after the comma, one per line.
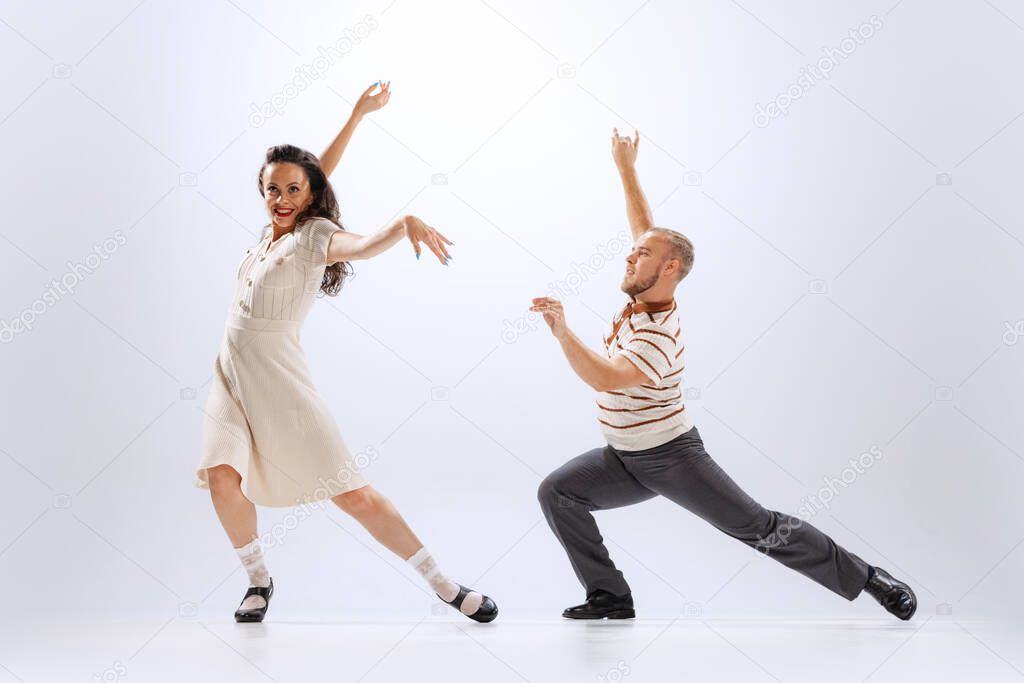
(633,307)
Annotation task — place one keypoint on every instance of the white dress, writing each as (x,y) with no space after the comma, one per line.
(264,416)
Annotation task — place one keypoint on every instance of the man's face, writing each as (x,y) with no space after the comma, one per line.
(644,264)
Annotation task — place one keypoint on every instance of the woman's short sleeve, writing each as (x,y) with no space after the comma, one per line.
(312,238)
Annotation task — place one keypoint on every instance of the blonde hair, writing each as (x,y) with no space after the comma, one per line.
(682,249)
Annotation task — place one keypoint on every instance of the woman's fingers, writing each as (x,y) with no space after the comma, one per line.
(433,247)
(437,243)
(636,141)
(415,246)
(439,239)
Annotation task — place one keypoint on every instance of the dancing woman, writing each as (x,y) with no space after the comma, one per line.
(268,436)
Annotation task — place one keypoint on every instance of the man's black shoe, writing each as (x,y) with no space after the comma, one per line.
(603,605)
(894,595)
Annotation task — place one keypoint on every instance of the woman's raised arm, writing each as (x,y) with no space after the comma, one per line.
(368,102)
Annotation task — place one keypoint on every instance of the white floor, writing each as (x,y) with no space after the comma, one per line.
(443,647)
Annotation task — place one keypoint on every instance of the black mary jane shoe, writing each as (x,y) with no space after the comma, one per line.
(892,594)
(255,615)
(603,605)
(486,612)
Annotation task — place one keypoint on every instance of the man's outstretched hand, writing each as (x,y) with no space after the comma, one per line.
(624,149)
(553,314)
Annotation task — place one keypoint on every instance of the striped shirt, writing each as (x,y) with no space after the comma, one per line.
(653,413)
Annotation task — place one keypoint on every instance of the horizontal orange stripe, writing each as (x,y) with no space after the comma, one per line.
(647,330)
(647,341)
(644,398)
(644,422)
(634,410)
(671,386)
(645,361)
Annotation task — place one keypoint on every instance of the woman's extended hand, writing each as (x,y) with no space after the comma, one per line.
(417,231)
(368,102)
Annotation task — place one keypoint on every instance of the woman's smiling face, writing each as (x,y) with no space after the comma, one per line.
(286,193)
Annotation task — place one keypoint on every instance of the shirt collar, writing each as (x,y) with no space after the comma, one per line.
(634,307)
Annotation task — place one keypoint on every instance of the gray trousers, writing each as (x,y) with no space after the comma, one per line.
(682,471)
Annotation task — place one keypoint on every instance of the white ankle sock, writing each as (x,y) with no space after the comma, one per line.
(251,555)
(424,563)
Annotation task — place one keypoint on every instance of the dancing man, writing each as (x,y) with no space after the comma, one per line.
(653,448)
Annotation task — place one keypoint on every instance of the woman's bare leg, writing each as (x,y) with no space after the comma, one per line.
(236,512)
(379,516)
(238,517)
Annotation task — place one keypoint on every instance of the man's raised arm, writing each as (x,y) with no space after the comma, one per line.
(638,211)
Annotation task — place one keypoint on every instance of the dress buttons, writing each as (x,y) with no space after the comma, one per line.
(249,282)
(279,260)
(263,258)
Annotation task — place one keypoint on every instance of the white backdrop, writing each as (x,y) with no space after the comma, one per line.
(857,286)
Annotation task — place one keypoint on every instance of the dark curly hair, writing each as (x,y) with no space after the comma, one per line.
(323,205)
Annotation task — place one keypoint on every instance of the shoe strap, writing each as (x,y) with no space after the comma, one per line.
(457,601)
(262,591)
